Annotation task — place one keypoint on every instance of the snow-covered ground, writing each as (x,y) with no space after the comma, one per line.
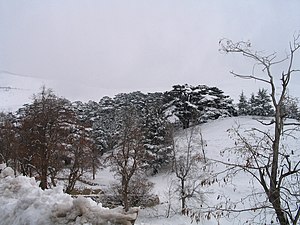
(22,202)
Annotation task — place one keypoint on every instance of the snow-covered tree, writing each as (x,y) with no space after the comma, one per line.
(82,153)
(86,114)
(8,140)
(243,105)
(179,99)
(108,122)
(291,108)
(261,106)
(156,132)
(196,104)
(129,157)
(47,130)
(43,128)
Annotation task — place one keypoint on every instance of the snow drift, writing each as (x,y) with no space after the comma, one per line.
(23,202)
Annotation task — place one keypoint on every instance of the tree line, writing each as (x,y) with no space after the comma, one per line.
(261,105)
(53,135)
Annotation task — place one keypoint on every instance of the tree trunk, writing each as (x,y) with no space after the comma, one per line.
(125,195)
(53,181)
(73,177)
(274,195)
(275,200)
(94,171)
(43,178)
(183,196)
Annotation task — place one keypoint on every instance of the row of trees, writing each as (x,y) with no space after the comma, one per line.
(261,105)
(257,105)
(155,114)
(52,138)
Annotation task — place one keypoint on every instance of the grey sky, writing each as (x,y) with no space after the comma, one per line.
(91,48)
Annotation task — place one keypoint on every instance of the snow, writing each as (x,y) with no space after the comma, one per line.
(23,202)
(16,90)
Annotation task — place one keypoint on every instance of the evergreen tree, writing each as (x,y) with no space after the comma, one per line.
(243,105)
(179,99)
(215,104)
(290,107)
(193,105)
(85,139)
(253,104)
(106,124)
(145,109)
(156,130)
(261,104)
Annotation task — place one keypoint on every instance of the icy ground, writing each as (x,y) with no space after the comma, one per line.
(23,202)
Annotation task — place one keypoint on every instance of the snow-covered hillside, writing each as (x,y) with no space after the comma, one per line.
(227,190)
(16,90)
(215,135)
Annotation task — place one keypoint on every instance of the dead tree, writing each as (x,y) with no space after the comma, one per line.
(276,171)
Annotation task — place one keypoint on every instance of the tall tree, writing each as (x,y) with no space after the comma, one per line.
(187,162)
(8,140)
(195,104)
(275,169)
(81,151)
(128,157)
(86,114)
(262,104)
(44,126)
(156,131)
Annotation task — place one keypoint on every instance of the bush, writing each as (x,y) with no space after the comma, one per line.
(139,194)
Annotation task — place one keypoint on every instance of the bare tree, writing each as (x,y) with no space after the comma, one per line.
(268,161)
(129,157)
(8,141)
(49,133)
(42,128)
(187,160)
(81,153)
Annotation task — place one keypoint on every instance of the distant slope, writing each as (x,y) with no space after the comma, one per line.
(16,90)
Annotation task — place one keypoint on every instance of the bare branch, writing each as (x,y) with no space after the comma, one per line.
(248,77)
(275,165)
(297,216)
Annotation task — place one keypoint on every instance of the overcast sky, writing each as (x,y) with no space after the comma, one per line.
(91,48)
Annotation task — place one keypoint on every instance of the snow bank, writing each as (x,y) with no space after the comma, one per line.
(23,202)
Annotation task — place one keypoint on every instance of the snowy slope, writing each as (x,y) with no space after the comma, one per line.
(16,90)
(229,190)
(216,137)
(215,134)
